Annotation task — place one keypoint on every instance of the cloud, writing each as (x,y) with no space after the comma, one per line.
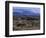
(25,11)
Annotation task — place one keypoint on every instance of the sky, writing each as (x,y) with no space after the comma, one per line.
(25,11)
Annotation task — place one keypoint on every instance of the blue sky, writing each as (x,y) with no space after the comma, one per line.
(25,11)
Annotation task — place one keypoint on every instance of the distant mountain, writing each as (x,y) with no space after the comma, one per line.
(24,12)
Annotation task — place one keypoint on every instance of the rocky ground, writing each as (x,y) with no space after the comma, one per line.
(26,23)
